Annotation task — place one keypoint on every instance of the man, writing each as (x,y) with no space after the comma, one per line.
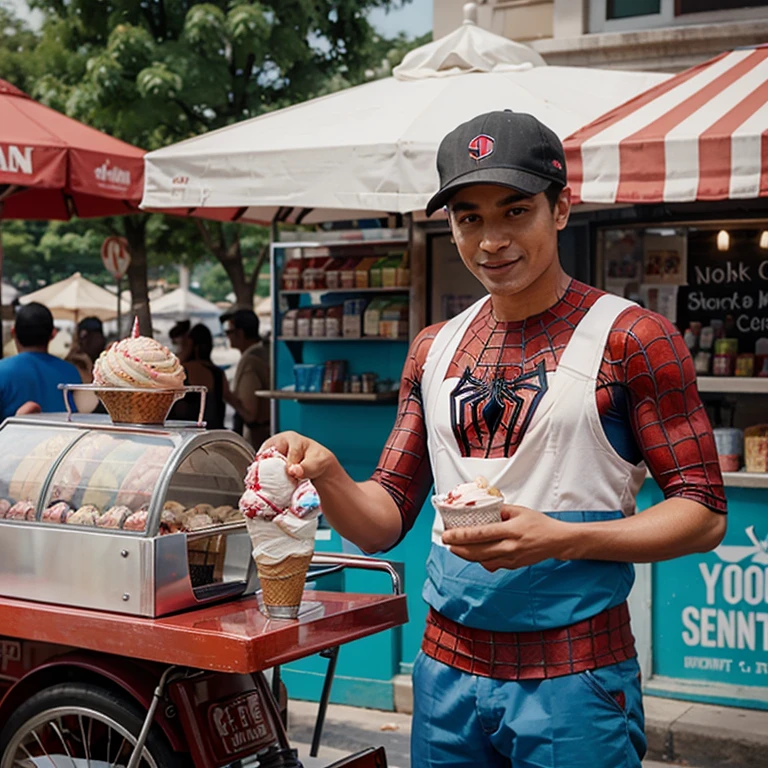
(252,373)
(560,395)
(89,344)
(32,377)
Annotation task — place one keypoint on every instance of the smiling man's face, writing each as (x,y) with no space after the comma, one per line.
(507,240)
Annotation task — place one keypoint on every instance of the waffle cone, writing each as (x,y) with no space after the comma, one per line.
(148,407)
(282,583)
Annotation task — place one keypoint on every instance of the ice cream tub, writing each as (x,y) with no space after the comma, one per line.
(469,505)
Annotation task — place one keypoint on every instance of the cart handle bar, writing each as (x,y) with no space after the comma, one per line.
(362,562)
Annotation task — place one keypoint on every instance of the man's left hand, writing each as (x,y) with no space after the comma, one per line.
(525,537)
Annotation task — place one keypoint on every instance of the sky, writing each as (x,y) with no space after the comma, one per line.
(415,18)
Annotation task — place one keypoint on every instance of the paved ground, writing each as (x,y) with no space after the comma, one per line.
(349,729)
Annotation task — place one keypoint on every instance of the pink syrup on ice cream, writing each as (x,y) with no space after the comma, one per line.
(268,486)
(474,494)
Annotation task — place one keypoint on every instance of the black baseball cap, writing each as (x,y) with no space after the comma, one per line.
(511,149)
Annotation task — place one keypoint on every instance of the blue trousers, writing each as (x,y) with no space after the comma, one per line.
(585,720)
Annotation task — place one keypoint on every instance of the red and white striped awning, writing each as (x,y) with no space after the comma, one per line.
(701,135)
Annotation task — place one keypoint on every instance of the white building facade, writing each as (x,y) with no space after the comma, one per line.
(651,35)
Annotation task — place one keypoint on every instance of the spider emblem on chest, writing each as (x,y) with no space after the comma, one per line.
(481,409)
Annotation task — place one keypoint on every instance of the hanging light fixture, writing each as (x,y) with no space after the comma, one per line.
(764,239)
(723,240)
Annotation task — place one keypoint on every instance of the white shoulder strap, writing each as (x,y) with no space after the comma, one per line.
(437,362)
(584,351)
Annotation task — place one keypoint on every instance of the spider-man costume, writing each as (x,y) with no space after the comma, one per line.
(560,625)
(668,429)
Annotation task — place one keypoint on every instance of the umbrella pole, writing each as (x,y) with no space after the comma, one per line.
(119,314)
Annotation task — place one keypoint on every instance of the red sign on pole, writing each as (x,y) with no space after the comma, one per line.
(114,254)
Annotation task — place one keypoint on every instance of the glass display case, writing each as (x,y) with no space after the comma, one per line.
(137,520)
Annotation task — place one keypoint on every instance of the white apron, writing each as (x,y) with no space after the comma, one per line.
(564,467)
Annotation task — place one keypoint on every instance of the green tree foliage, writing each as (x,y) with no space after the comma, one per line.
(153,72)
(16,40)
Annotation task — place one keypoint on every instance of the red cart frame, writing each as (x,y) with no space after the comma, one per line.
(197,676)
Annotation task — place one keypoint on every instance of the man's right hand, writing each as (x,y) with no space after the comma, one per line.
(307,459)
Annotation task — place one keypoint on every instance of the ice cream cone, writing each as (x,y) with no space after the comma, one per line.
(282,584)
(455,516)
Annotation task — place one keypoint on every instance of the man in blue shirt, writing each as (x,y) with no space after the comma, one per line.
(34,375)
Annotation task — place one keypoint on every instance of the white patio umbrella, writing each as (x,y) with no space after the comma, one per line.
(76,298)
(183,304)
(9,293)
(371,149)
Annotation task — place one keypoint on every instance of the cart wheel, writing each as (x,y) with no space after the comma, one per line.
(73,722)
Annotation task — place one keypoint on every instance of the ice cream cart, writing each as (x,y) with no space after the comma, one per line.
(130,625)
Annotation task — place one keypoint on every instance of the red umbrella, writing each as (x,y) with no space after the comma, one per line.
(53,167)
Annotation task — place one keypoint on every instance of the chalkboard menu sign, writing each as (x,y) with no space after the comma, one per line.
(728,286)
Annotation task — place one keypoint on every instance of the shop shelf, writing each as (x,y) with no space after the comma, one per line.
(338,243)
(299,292)
(341,338)
(745,479)
(735,384)
(740,479)
(329,397)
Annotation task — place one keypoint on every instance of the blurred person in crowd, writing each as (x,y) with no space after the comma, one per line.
(194,349)
(30,379)
(181,344)
(90,342)
(242,329)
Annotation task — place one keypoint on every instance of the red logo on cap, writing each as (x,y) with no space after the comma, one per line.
(557,165)
(481,146)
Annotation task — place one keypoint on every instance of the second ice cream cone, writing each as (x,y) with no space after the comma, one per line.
(282,584)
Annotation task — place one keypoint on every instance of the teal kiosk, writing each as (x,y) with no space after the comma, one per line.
(355,425)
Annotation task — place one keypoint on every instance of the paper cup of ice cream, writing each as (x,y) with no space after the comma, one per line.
(470,504)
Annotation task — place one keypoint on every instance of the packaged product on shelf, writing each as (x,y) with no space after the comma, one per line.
(761,357)
(745,364)
(394,320)
(304,322)
(374,274)
(730,448)
(288,327)
(724,360)
(302,373)
(369,382)
(333,320)
(313,276)
(372,317)
(722,365)
(756,448)
(318,322)
(352,324)
(347,274)
(403,273)
(389,272)
(316,378)
(707,338)
(362,273)
(292,274)
(701,362)
(355,384)
(335,375)
(333,273)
